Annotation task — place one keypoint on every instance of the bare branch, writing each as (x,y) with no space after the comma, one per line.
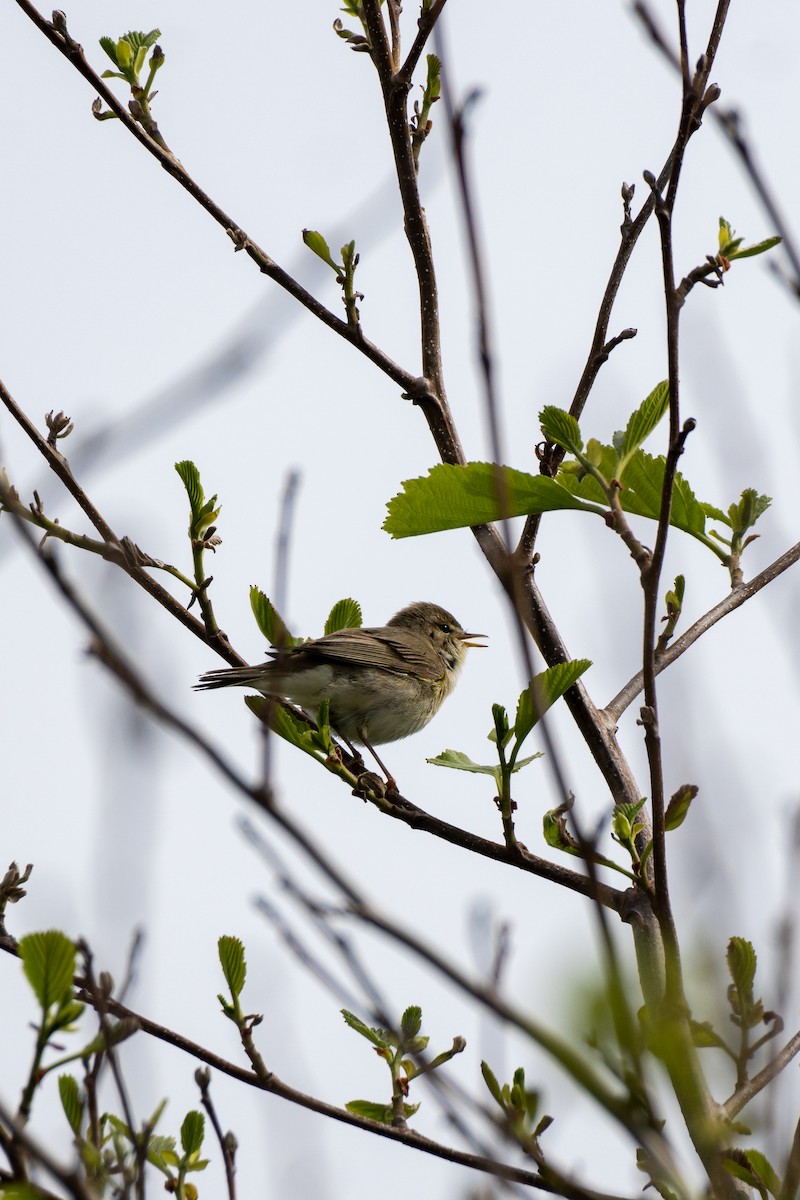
(616,707)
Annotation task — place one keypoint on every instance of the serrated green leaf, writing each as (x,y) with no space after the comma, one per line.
(736,1164)
(519,763)
(345,614)
(110,47)
(378,1037)
(751,506)
(411,1021)
(678,806)
(460,762)
(194,1127)
(643,421)
(457,497)
(764,1169)
(270,622)
(741,959)
(716,514)
(48,960)
(560,427)
(547,687)
(71,1102)
(233,963)
(317,244)
(161,1152)
(191,481)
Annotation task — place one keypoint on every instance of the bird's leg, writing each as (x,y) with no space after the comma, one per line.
(356,755)
(391,785)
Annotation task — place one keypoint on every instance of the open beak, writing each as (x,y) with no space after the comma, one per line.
(477,645)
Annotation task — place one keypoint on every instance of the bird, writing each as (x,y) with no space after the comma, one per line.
(382,683)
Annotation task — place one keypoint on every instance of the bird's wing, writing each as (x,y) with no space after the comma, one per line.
(388,649)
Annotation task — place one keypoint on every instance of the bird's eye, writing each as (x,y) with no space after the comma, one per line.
(445,628)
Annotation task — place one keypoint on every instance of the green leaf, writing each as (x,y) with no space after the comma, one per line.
(316,243)
(704,1036)
(161,1152)
(194,1125)
(741,960)
(382,1113)
(345,614)
(559,427)
(377,1037)
(764,1170)
(678,806)
(191,481)
(556,834)
(751,506)
(286,725)
(270,622)
(411,1021)
(757,248)
(456,497)
(71,1102)
(460,762)
(547,687)
(643,421)
(491,1082)
(232,961)
(48,960)
(110,47)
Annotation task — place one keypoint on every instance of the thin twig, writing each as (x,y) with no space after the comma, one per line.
(751,1087)
(730,121)
(415,386)
(745,591)
(275,1086)
(69,1179)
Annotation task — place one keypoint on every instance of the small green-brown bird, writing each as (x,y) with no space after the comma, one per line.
(382,684)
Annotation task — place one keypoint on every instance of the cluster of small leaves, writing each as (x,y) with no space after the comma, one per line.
(558,836)
(128,54)
(344,271)
(112,1152)
(204,513)
(401,1051)
(731,248)
(747,1010)
(452,497)
(520,1107)
(544,690)
(626,826)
